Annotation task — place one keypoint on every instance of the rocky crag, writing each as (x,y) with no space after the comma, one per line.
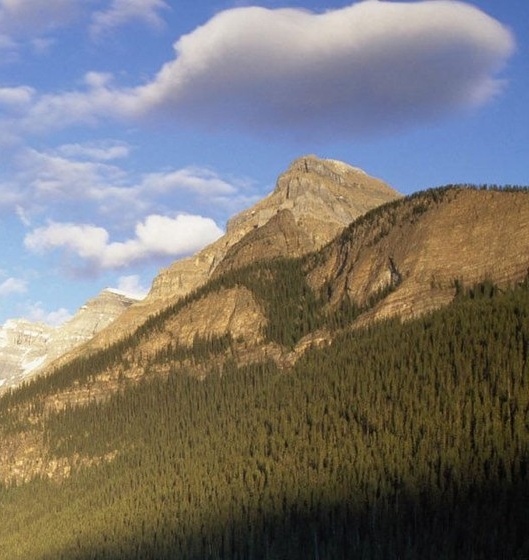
(313,201)
(425,247)
(26,347)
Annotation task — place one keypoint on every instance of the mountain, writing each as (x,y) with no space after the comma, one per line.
(23,348)
(405,258)
(366,397)
(424,246)
(27,347)
(313,200)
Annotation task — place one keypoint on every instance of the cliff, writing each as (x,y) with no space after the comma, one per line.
(312,202)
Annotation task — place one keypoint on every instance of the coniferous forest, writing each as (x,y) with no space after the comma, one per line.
(398,441)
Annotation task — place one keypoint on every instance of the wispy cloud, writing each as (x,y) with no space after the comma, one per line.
(16,96)
(104,150)
(366,68)
(121,12)
(23,18)
(156,237)
(13,286)
(92,179)
(33,21)
(36,313)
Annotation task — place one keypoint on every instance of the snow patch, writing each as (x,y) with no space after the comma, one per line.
(123,293)
(34,364)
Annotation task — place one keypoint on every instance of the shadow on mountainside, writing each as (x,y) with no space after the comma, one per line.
(486,522)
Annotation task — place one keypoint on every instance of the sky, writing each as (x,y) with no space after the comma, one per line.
(131,130)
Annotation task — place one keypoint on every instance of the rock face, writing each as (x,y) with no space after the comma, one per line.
(312,202)
(23,348)
(425,246)
(26,347)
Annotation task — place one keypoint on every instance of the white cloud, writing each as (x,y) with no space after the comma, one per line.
(86,180)
(33,22)
(156,237)
(27,18)
(100,151)
(87,241)
(364,68)
(131,286)
(121,12)
(16,96)
(30,17)
(51,176)
(194,179)
(13,286)
(36,313)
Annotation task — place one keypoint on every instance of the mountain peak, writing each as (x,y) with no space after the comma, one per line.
(25,347)
(333,169)
(328,191)
(121,294)
(313,201)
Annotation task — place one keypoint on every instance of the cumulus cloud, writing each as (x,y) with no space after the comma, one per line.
(13,286)
(368,67)
(121,12)
(156,237)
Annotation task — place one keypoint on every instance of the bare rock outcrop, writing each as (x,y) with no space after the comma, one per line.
(27,347)
(312,202)
(423,248)
(322,196)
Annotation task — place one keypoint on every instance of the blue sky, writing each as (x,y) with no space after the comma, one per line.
(131,130)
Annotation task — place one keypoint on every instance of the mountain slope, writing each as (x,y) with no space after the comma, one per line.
(402,441)
(425,246)
(402,259)
(270,413)
(26,347)
(312,202)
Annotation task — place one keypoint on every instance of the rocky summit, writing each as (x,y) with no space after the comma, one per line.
(313,200)
(311,203)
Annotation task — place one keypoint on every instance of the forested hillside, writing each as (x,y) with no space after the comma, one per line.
(273,413)
(401,440)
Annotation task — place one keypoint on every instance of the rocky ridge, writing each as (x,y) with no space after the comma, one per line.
(424,246)
(313,200)
(27,347)
(320,197)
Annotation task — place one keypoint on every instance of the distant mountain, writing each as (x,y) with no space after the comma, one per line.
(27,347)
